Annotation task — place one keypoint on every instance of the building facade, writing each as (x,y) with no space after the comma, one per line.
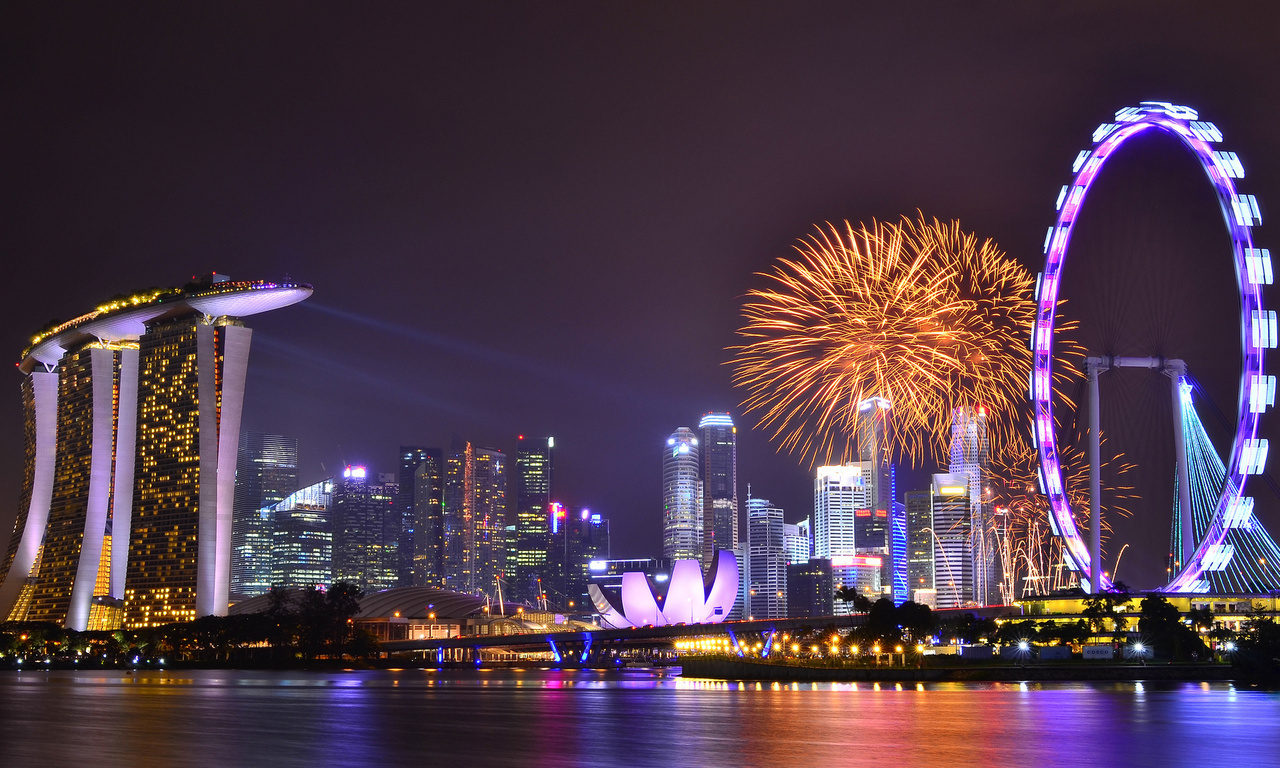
(970,456)
(534,473)
(953,544)
(489,518)
(411,457)
(767,561)
(577,540)
(682,534)
(718,450)
(459,511)
(131,433)
(366,531)
(302,538)
(266,472)
(809,589)
(919,506)
(428,515)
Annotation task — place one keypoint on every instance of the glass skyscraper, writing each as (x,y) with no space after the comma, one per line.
(919,540)
(366,531)
(489,519)
(428,515)
(970,456)
(767,560)
(719,454)
(533,509)
(411,457)
(302,538)
(953,546)
(266,472)
(459,508)
(682,534)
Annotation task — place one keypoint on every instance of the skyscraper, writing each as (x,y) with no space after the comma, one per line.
(953,544)
(533,510)
(797,542)
(411,457)
(428,515)
(873,452)
(719,452)
(489,519)
(767,562)
(459,511)
(366,531)
(919,506)
(266,472)
(577,540)
(132,426)
(302,538)
(682,535)
(970,456)
(841,497)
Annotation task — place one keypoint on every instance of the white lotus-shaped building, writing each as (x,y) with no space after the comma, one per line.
(689,597)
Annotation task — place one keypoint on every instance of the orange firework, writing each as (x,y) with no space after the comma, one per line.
(1032,559)
(917,312)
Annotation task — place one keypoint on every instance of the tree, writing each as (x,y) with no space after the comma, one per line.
(861,603)
(1161,625)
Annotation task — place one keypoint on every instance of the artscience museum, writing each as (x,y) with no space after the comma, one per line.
(688,597)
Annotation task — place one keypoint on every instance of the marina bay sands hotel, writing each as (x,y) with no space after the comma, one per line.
(132,423)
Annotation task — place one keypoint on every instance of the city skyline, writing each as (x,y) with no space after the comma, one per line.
(519,248)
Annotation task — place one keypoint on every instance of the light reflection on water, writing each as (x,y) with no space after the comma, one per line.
(414,717)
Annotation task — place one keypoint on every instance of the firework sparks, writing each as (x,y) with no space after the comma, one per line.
(917,312)
(1032,557)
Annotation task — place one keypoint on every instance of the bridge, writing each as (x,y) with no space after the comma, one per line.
(577,648)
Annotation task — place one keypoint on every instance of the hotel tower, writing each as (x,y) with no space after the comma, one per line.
(132,426)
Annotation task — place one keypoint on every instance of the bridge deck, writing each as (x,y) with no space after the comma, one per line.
(658,635)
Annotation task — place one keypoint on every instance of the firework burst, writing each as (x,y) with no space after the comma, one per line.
(1032,558)
(917,312)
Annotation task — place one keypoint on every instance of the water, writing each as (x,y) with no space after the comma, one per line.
(633,718)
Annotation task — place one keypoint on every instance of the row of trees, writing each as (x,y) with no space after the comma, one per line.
(296,626)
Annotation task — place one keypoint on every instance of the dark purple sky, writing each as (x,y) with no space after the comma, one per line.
(541,219)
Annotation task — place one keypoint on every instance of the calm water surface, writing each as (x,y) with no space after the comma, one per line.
(633,718)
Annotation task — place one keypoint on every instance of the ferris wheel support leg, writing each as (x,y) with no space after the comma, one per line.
(1177,370)
(1095,366)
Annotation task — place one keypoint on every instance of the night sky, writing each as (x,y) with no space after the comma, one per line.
(542,218)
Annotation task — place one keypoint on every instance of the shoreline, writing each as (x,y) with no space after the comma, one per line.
(734,669)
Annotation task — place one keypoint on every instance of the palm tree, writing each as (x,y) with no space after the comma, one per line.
(861,603)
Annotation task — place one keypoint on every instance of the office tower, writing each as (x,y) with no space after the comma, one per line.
(896,570)
(459,509)
(768,560)
(533,510)
(365,531)
(411,457)
(719,453)
(741,606)
(953,544)
(796,546)
(919,506)
(132,424)
(809,589)
(428,516)
(873,453)
(577,540)
(682,536)
(970,456)
(302,538)
(266,472)
(841,498)
(489,518)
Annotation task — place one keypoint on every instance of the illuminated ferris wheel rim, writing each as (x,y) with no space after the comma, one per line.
(1258,331)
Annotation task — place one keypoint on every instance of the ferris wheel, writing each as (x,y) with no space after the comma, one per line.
(1258,327)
